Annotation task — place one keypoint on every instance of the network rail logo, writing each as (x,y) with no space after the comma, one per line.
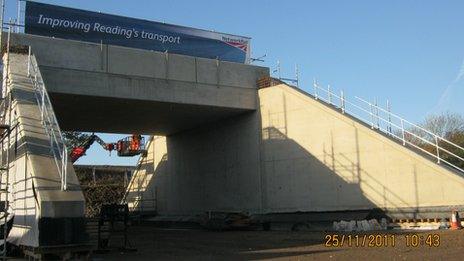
(236,42)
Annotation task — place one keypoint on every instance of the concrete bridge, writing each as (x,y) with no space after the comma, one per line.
(219,143)
(116,89)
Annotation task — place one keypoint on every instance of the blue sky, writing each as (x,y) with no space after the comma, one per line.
(409,52)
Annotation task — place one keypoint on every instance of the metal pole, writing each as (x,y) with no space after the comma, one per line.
(372,115)
(19,16)
(389,117)
(43,100)
(402,131)
(315,88)
(1,23)
(377,114)
(64,158)
(296,76)
(278,69)
(342,101)
(7,203)
(438,149)
(63,181)
(8,51)
(29,63)
(329,94)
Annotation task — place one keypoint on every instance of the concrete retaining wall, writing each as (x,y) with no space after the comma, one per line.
(317,159)
(294,154)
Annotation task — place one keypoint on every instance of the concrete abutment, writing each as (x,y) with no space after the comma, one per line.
(293,155)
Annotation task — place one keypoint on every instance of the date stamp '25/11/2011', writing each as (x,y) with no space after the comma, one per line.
(381,240)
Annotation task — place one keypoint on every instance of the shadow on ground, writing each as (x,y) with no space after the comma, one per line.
(183,244)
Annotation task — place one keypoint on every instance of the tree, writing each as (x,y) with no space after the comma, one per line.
(444,125)
(449,126)
(74,138)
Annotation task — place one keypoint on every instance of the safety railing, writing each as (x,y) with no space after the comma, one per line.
(382,119)
(49,121)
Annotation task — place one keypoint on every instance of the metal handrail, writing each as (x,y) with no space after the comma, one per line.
(415,125)
(48,117)
(375,119)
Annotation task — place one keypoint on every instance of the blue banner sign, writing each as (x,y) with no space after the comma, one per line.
(81,25)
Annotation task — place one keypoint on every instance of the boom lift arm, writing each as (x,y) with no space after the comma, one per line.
(127,147)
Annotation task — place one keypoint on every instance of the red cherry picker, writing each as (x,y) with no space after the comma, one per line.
(129,146)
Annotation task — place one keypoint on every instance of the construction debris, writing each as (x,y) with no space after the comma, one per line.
(360,225)
(219,221)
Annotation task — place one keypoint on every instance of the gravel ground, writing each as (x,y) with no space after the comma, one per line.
(187,244)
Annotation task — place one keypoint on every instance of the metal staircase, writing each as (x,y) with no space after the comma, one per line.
(396,127)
